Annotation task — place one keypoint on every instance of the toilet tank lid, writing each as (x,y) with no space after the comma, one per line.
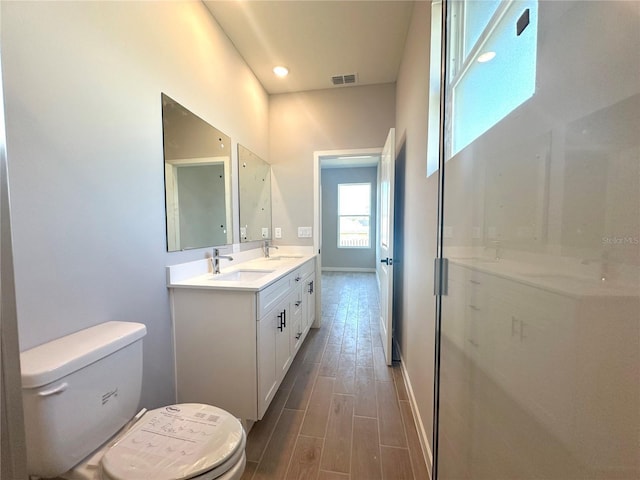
(58,358)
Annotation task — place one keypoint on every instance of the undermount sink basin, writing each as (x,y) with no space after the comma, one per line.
(476,259)
(282,257)
(242,275)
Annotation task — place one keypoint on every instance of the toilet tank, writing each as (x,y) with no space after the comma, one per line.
(78,391)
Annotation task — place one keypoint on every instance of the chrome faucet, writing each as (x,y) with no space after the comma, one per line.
(496,245)
(603,261)
(266,246)
(215,260)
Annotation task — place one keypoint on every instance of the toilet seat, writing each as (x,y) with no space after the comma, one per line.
(178,442)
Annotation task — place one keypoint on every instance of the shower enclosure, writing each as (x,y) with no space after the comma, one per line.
(538,337)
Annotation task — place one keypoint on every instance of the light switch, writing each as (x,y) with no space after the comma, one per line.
(525,232)
(265,232)
(304,232)
(278,232)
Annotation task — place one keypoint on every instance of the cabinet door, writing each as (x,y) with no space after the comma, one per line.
(267,373)
(534,353)
(283,347)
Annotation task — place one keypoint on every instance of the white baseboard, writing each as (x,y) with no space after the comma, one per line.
(348,269)
(422,434)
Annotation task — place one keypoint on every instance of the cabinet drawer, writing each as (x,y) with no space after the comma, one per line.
(308,268)
(271,295)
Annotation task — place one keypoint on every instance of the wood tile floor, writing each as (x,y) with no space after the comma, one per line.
(340,413)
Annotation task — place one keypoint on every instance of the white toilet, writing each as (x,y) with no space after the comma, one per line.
(80,396)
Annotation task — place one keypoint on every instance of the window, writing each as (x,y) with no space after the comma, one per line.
(354,214)
(492,64)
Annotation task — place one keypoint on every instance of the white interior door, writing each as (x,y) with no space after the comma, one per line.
(385,242)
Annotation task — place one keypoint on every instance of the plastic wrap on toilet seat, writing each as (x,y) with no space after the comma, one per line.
(174,443)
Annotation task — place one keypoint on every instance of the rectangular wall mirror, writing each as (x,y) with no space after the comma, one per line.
(197,172)
(255,196)
(517,193)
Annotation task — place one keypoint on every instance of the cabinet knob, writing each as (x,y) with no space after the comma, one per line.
(298,278)
(514,325)
(298,303)
(522,334)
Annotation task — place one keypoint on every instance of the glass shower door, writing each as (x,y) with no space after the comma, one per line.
(539,372)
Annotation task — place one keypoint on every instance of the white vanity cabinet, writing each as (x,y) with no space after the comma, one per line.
(519,336)
(282,327)
(233,347)
(553,352)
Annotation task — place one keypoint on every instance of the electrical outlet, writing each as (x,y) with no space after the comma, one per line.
(278,232)
(448,232)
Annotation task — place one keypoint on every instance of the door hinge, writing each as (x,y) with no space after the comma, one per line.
(441,276)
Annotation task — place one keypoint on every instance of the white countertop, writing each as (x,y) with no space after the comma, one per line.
(557,280)
(256,274)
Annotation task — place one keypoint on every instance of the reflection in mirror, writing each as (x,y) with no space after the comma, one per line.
(197,166)
(516,210)
(601,157)
(255,196)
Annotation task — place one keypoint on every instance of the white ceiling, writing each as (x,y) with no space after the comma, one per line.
(316,39)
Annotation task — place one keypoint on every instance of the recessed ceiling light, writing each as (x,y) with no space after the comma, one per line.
(486,57)
(281,71)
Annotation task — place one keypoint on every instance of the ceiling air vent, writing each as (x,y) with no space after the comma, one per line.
(344,79)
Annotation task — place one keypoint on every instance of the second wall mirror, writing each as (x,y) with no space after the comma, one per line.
(254,178)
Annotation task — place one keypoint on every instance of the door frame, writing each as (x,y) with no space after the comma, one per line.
(318,156)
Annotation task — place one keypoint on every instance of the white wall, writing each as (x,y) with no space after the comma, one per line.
(84,134)
(301,123)
(416,323)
